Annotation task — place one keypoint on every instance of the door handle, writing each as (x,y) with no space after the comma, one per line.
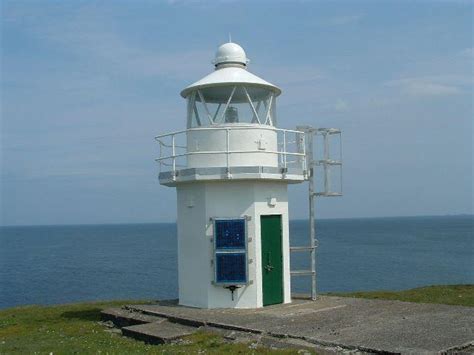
(268,267)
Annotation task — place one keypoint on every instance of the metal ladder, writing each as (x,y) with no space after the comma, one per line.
(326,163)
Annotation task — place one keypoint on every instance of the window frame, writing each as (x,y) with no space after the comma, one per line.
(222,251)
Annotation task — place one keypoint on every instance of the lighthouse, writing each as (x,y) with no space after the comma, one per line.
(231,168)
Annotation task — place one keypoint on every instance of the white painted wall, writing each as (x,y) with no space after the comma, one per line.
(262,139)
(198,202)
(193,255)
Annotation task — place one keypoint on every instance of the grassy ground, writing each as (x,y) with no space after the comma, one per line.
(75,328)
(461,295)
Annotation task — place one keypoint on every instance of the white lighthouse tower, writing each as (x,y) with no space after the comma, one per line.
(231,168)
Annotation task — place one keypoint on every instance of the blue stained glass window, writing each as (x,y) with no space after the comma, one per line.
(231,267)
(230,233)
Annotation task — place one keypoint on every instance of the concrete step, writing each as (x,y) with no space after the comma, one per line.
(158,332)
(122,317)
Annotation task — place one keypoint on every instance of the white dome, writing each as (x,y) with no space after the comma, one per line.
(230,53)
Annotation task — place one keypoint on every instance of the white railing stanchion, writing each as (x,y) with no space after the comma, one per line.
(227,139)
(161,155)
(340,159)
(284,149)
(327,180)
(303,138)
(173,155)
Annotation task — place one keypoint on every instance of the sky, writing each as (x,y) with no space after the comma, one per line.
(86,85)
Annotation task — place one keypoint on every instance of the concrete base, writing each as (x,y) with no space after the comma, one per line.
(159,332)
(340,323)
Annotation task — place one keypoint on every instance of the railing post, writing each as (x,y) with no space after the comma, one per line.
(227,140)
(161,154)
(174,155)
(340,159)
(279,150)
(304,152)
(327,166)
(312,228)
(284,149)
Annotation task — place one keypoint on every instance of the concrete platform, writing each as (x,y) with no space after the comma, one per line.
(124,317)
(158,332)
(372,326)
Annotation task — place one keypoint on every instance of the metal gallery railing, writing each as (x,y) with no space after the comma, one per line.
(291,148)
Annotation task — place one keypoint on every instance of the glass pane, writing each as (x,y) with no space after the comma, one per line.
(231,268)
(201,113)
(239,109)
(261,108)
(273,115)
(206,108)
(230,234)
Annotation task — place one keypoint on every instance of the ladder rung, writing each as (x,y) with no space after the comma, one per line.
(302,248)
(326,162)
(328,194)
(302,272)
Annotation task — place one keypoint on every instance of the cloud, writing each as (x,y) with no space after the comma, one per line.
(468,53)
(290,75)
(429,86)
(341,105)
(92,36)
(124,57)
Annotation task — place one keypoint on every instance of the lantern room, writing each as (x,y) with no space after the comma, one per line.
(231,94)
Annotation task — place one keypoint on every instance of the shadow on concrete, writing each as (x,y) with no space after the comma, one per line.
(168,303)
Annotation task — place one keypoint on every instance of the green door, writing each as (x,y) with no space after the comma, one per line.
(272,259)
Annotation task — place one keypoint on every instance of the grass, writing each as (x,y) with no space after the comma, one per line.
(459,295)
(75,328)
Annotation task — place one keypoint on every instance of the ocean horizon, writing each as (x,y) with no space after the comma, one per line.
(52,264)
(291,220)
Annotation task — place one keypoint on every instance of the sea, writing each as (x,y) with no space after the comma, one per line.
(64,264)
